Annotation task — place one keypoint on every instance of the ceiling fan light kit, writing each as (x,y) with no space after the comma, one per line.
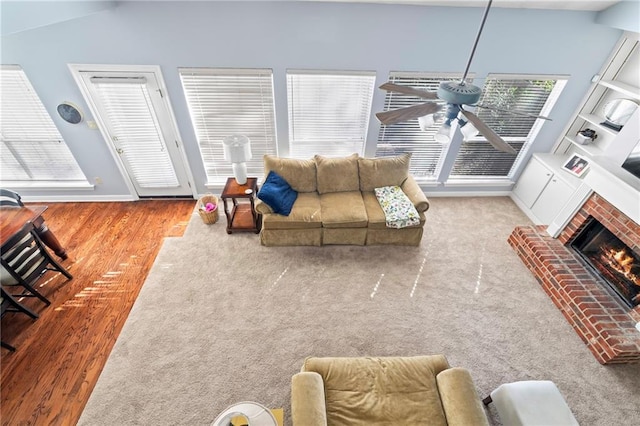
(426,121)
(443,135)
(468,130)
(456,94)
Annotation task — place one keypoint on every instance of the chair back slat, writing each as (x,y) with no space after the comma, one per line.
(24,260)
(9,198)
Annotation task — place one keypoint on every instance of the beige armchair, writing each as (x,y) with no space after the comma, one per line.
(416,390)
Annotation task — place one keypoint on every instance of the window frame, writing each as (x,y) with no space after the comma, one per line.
(47,132)
(216,168)
(527,141)
(323,123)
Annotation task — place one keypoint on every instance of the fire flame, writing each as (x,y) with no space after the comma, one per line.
(623,261)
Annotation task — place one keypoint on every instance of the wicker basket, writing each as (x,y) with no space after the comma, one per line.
(212,216)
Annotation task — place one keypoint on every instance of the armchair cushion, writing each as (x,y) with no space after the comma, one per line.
(376,391)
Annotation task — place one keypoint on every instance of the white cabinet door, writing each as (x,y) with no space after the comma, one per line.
(554,196)
(532,181)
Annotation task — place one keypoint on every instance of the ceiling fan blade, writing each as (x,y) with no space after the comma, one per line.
(513,111)
(392,87)
(408,113)
(493,138)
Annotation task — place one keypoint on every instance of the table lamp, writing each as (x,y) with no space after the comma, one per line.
(237,150)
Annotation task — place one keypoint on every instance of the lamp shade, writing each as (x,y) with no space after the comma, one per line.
(237,148)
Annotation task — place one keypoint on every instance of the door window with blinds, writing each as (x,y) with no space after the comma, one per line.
(328,112)
(224,102)
(532,95)
(409,136)
(31,149)
(137,122)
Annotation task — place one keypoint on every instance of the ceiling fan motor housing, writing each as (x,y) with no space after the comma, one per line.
(457,93)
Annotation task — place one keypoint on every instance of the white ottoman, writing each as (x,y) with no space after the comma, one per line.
(532,402)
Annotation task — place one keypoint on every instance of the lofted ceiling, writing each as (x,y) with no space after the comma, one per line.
(588,5)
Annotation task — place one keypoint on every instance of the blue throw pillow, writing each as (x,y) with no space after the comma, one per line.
(278,194)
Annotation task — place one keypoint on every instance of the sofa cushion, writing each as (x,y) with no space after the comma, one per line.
(337,174)
(278,194)
(376,391)
(306,213)
(300,174)
(385,171)
(343,210)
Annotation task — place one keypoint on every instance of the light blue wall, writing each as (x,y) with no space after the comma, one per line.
(283,35)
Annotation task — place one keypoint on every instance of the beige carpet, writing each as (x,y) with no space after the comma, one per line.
(222,319)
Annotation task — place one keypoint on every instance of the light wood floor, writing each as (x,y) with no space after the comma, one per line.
(60,355)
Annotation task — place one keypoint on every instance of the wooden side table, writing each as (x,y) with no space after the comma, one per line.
(243,215)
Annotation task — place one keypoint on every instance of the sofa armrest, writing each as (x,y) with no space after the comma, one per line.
(460,401)
(262,207)
(412,190)
(307,400)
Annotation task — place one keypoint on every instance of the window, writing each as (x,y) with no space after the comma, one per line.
(224,102)
(31,149)
(328,112)
(534,95)
(407,136)
(475,159)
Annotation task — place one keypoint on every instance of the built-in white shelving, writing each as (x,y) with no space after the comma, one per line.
(547,192)
(623,88)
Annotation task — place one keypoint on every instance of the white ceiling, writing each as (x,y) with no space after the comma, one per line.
(593,5)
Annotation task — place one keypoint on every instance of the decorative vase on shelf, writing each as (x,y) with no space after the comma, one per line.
(586,136)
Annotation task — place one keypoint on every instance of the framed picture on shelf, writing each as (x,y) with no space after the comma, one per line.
(576,165)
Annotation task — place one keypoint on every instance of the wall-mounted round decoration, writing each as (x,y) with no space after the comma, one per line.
(70,112)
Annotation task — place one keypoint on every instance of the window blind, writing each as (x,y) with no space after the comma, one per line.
(527,94)
(134,127)
(328,112)
(32,148)
(223,102)
(407,136)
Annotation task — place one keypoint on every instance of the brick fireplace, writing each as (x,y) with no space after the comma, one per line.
(605,325)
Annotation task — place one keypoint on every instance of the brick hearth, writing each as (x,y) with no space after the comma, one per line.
(605,325)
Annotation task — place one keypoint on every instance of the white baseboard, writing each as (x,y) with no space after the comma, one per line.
(76,199)
(467,193)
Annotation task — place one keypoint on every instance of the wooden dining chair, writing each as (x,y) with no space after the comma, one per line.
(10,198)
(24,260)
(9,304)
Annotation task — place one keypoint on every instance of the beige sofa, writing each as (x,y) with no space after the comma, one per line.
(336,203)
(419,390)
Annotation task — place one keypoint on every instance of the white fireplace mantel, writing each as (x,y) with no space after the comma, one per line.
(611,182)
(615,185)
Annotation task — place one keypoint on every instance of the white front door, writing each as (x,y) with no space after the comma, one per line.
(133,114)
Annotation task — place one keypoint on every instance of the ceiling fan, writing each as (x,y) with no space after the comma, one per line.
(456,95)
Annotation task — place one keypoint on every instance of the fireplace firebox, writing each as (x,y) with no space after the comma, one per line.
(610,258)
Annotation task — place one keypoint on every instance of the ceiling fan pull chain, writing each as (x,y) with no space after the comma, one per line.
(475,44)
